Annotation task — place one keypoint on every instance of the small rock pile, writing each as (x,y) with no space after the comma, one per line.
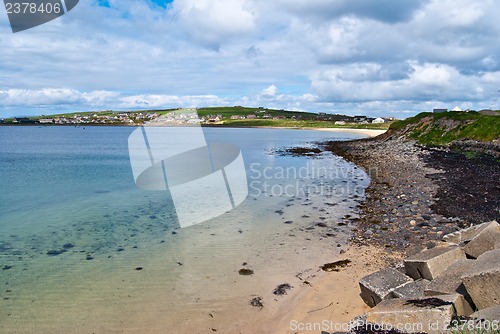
(452,286)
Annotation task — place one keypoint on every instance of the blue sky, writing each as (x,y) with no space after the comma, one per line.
(378,58)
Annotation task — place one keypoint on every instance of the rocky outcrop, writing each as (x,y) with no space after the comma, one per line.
(446,288)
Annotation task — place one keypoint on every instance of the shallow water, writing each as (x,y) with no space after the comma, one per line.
(74,229)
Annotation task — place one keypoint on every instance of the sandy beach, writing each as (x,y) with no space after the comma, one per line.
(367,132)
(370,133)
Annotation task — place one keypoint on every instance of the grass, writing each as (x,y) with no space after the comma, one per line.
(443,128)
(244,111)
(290,123)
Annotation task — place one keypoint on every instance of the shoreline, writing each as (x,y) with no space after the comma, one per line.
(407,209)
(369,132)
(409,199)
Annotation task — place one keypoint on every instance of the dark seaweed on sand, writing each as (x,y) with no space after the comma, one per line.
(335,266)
(257,302)
(281,289)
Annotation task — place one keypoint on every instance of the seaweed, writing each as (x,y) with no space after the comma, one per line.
(335,266)
(280,290)
(428,302)
(257,302)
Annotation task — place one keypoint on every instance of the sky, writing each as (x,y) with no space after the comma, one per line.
(354,57)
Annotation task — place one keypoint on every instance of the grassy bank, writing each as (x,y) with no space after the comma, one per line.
(444,128)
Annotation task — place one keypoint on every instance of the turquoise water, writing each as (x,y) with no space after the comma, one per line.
(54,178)
(69,204)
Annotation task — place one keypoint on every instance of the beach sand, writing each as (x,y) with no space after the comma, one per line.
(367,132)
(370,133)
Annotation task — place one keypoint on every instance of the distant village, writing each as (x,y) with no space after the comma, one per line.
(182,117)
(110,118)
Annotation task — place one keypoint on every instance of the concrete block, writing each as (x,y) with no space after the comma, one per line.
(450,281)
(430,315)
(482,280)
(491,314)
(430,263)
(463,236)
(488,238)
(379,285)
(415,289)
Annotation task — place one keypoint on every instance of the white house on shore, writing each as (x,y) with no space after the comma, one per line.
(456,109)
(378,120)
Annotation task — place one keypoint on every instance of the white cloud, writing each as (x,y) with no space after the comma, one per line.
(269,92)
(212,22)
(423,81)
(323,56)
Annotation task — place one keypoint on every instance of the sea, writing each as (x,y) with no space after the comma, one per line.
(83,249)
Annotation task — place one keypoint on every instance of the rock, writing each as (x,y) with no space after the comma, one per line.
(486,239)
(245,272)
(414,289)
(465,235)
(380,285)
(450,281)
(490,314)
(55,252)
(430,263)
(429,315)
(482,280)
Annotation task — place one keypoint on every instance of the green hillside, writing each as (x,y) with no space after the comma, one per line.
(443,128)
(227,117)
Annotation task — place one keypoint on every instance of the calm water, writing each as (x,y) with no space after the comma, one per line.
(70,213)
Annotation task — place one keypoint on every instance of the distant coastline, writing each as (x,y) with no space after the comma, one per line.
(233,117)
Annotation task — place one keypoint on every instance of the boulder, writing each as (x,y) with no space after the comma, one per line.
(482,280)
(414,289)
(463,236)
(488,238)
(379,285)
(429,314)
(450,281)
(430,263)
(489,314)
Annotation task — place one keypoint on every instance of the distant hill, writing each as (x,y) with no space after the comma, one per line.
(235,116)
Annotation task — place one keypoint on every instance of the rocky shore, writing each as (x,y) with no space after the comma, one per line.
(419,194)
